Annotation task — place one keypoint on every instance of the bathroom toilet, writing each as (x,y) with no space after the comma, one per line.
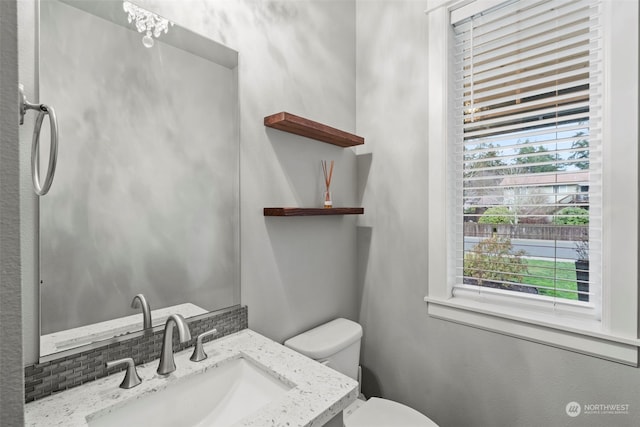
(337,345)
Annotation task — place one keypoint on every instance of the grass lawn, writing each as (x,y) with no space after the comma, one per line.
(542,273)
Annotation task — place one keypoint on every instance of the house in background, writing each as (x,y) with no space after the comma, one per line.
(535,198)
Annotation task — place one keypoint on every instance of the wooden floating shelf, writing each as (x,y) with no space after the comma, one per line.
(304,127)
(312,211)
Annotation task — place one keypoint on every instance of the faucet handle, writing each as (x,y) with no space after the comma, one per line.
(131,378)
(198,351)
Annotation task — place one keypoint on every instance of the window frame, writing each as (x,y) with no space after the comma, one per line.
(613,337)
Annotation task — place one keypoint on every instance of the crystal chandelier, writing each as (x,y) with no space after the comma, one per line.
(146,22)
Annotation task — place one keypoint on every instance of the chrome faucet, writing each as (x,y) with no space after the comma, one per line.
(140,301)
(167,363)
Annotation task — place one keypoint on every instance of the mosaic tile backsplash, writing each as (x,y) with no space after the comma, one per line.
(44,379)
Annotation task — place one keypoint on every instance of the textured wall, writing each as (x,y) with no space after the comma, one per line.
(298,56)
(11,388)
(457,375)
(145,197)
(295,56)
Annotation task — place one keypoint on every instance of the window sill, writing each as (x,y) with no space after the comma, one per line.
(589,340)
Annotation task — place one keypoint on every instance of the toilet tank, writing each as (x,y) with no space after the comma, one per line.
(336,344)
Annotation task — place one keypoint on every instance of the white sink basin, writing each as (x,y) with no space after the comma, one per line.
(221,396)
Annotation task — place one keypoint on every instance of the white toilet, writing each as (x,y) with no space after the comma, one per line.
(337,345)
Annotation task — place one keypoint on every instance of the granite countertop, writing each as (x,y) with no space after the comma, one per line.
(319,393)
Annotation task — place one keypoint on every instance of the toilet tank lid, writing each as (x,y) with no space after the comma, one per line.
(327,339)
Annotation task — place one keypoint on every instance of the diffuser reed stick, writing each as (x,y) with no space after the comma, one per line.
(328,173)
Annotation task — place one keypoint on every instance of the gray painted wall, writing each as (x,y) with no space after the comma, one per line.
(296,272)
(298,57)
(457,375)
(295,56)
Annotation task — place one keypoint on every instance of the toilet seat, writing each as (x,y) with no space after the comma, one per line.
(377,412)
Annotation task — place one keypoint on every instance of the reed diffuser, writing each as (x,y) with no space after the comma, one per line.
(328,173)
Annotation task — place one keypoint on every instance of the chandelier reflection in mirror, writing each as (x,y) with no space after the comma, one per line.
(146,22)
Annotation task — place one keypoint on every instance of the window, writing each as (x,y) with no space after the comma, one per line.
(523,129)
(526,131)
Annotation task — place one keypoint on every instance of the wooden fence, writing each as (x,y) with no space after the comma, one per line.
(528,231)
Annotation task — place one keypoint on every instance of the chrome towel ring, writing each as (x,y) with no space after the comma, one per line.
(43,110)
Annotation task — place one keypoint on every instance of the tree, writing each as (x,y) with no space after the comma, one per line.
(476,159)
(542,162)
(581,147)
(478,172)
(497,215)
(571,216)
(493,260)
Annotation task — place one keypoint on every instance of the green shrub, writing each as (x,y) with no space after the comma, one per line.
(571,216)
(497,215)
(492,260)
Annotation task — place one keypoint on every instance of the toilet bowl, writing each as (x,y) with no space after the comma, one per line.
(377,412)
(337,345)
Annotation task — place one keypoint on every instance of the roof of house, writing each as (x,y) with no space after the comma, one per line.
(552,178)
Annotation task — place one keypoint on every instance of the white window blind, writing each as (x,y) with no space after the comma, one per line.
(527,159)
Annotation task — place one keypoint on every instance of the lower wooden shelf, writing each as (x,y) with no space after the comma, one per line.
(312,211)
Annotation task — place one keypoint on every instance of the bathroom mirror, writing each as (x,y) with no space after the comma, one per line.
(146,193)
